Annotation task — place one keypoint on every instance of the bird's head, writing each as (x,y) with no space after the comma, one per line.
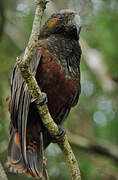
(65,22)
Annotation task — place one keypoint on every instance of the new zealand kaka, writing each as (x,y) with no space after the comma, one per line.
(56,67)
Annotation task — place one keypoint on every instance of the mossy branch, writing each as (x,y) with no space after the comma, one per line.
(24,67)
(3,175)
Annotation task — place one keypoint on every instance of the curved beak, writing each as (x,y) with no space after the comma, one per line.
(77,22)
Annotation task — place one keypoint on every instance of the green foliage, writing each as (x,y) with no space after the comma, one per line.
(103,35)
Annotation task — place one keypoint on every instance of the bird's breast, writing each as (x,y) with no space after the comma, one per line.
(52,79)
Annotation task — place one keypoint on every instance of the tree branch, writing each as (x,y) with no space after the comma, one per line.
(24,67)
(95,61)
(3,175)
(99,147)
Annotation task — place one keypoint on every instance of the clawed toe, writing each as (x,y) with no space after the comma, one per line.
(43,100)
(58,137)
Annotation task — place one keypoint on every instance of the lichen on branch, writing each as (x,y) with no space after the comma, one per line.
(3,175)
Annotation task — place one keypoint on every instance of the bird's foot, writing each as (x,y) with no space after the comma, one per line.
(41,102)
(58,137)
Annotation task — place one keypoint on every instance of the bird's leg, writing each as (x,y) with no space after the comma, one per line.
(43,100)
(58,137)
(62,132)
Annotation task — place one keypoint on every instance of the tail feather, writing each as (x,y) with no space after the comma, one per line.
(33,165)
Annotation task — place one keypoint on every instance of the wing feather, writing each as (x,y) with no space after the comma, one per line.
(20,101)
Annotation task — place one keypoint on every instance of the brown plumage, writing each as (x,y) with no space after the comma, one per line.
(55,65)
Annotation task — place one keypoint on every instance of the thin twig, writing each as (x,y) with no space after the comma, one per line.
(24,67)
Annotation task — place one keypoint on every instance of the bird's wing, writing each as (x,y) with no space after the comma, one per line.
(20,102)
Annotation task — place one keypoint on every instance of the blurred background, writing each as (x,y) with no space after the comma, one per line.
(92,125)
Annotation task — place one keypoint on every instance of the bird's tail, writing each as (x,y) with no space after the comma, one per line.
(33,164)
